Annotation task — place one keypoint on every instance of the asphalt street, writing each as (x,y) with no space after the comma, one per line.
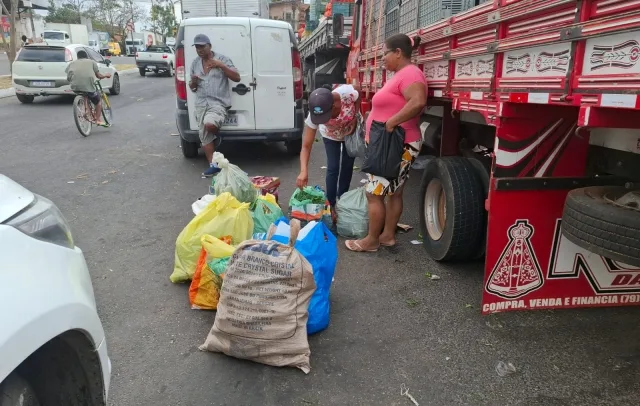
(4,62)
(127,192)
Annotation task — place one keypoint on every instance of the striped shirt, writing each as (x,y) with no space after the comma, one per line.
(213,88)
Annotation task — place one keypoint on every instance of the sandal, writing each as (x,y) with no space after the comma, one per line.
(354,245)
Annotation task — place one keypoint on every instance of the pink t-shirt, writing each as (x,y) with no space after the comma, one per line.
(389,100)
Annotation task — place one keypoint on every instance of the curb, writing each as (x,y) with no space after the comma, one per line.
(4,93)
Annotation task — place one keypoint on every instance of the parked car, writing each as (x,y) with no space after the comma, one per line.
(267,102)
(39,70)
(157,59)
(52,344)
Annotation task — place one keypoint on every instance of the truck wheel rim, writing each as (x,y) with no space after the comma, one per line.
(435,209)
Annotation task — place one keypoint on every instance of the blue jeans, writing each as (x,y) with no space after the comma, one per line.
(339,170)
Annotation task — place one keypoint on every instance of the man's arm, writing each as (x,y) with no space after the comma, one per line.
(193,83)
(96,70)
(229,69)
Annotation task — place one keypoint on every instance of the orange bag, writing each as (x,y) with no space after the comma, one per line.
(204,291)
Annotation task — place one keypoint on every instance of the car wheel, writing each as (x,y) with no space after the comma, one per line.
(143,72)
(170,71)
(293,147)
(452,215)
(115,87)
(189,149)
(604,220)
(25,99)
(15,391)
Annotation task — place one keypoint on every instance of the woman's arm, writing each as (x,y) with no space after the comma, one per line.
(416,97)
(307,143)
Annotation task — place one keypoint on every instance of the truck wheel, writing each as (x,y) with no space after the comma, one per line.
(604,220)
(293,147)
(25,99)
(452,215)
(189,149)
(143,72)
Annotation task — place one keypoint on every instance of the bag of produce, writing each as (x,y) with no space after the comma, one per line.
(204,291)
(353,214)
(264,211)
(232,179)
(262,314)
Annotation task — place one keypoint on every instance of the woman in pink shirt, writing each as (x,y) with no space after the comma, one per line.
(398,103)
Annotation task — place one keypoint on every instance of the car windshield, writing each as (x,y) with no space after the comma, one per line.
(54,35)
(160,50)
(39,54)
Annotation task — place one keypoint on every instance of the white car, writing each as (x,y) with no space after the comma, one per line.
(39,70)
(52,343)
(157,59)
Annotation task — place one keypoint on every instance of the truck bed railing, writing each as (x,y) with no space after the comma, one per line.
(566,52)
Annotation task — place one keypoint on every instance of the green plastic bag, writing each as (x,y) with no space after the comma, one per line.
(264,214)
(308,204)
(232,179)
(353,214)
(218,265)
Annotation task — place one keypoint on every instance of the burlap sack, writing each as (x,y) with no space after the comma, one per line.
(262,314)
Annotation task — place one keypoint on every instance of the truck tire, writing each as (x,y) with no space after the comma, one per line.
(189,149)
(604,220)
(293,147)
(452,215)
(143,72)
(25,99)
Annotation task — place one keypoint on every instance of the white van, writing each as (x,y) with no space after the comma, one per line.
(266,105)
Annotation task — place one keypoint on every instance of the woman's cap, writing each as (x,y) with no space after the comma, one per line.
(320,105)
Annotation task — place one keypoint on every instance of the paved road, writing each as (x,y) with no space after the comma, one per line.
(4,62)
(390,325)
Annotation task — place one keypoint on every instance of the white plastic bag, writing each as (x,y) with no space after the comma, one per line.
(353,214)
(201,203)
(234,180)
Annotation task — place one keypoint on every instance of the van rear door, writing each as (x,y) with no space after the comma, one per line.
(232,38)
(273,73)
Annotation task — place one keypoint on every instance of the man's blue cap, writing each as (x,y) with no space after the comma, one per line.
(201,39)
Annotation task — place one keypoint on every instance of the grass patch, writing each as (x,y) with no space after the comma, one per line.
(5,82)
(121,67)
(412,302)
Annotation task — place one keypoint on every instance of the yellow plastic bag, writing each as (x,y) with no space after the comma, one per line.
(224,216)
(269,198)
(204,291)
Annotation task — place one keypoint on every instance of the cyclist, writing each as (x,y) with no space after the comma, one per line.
(82,74)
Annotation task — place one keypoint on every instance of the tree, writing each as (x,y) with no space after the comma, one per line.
(113,15)
(67,13)
(12,12)
(163,19)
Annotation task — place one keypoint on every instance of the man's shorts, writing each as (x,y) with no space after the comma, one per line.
(379,186)
(214,115)
(94,97)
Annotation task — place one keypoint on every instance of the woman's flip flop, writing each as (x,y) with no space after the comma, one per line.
(354,245)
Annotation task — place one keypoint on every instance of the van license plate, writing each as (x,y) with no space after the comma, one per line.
(42,84)
(231,120)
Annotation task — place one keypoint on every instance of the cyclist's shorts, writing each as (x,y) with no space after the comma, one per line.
(94,97)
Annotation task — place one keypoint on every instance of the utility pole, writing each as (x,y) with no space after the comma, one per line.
(12,13)
(131,29)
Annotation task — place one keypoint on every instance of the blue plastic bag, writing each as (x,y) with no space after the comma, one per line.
(320,248)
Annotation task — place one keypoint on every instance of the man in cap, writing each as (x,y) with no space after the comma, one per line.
(335,114)
(210,75)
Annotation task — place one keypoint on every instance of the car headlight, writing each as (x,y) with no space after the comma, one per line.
(42,220)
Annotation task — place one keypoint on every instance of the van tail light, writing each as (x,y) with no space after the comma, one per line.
(164,56)
(297,73)
(68,57)
(181,85)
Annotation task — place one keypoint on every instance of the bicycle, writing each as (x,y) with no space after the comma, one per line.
(83,111)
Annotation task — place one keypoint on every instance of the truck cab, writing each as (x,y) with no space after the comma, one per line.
(56,37)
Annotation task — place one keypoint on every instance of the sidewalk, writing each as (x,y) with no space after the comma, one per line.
(9,92)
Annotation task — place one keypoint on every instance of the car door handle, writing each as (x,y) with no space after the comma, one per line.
(241,89)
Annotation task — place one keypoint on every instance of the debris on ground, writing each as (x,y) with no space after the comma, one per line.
(416,242)
(405,228)
(404,391)
(504,369)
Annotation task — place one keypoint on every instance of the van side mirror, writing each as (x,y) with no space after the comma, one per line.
(66,36)
(338,25)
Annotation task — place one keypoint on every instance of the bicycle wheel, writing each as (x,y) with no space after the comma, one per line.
(106,110)
(80,116)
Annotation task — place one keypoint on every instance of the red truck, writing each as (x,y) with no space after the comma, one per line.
(534,118)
